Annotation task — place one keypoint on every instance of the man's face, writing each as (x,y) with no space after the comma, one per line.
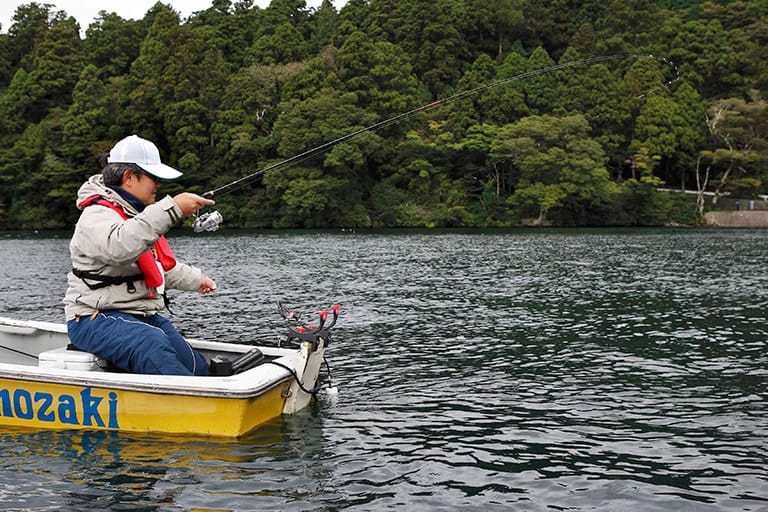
(144,187)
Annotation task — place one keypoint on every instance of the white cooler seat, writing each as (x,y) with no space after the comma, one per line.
(70,360)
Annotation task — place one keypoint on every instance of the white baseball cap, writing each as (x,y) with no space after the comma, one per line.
(135,150)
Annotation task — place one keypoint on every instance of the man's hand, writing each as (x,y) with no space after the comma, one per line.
(207,285)
(190,203)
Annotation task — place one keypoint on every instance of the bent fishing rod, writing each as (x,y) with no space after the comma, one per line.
(210,221)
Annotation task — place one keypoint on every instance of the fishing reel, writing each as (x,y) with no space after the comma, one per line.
(207,222)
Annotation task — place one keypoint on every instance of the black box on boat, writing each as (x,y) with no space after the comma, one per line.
(219,366)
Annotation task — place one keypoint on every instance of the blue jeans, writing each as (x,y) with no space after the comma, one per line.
(138,344)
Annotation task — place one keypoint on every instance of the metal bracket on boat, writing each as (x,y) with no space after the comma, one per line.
(312,333)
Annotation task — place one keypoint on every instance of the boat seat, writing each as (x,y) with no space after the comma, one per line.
(71,359)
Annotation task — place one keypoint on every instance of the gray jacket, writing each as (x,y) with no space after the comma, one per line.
(105,244)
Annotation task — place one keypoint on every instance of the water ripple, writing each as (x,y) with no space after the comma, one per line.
(524,370)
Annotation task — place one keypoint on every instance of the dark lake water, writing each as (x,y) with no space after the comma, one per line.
(525,370)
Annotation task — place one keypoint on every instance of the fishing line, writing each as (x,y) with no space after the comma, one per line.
(33,356)
(210,221)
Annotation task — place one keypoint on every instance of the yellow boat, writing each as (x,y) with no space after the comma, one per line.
(45,383)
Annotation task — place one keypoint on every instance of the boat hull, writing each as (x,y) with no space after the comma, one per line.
(40,396)
(62,406)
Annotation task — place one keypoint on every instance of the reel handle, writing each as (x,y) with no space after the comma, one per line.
(208,221)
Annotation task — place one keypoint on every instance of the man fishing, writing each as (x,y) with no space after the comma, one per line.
(122,265)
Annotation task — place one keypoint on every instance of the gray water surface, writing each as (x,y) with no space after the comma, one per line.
(521,370)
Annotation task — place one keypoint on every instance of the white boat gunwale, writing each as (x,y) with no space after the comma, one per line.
(247,384)
(45,384)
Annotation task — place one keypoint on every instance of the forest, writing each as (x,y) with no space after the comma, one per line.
(567,139)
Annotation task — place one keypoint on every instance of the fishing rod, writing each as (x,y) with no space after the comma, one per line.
(210,221)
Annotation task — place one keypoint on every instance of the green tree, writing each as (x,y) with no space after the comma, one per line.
(327,189)
(739,144)
(85,125)
(558,164)
(175,92)
(235,88)
(29,26)
(379,74)
(23,180)
(596,92)
(285,45)
(439,53)
(712,59)
(147,92)
(43,185)
(690,131)
(229,28)
(324,27)
(655,127)
(112,44)
(56,66)
(492,27)
(629,25)
(640,203)
(500,104)
(643,81)
(245,119)
(282,34)
(6,52)
(541,89)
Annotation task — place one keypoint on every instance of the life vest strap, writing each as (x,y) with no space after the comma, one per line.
(104,281)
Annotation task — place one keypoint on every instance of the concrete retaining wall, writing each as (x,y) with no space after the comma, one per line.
(738,219)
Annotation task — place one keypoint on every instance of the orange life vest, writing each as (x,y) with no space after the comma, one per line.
(161,252)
